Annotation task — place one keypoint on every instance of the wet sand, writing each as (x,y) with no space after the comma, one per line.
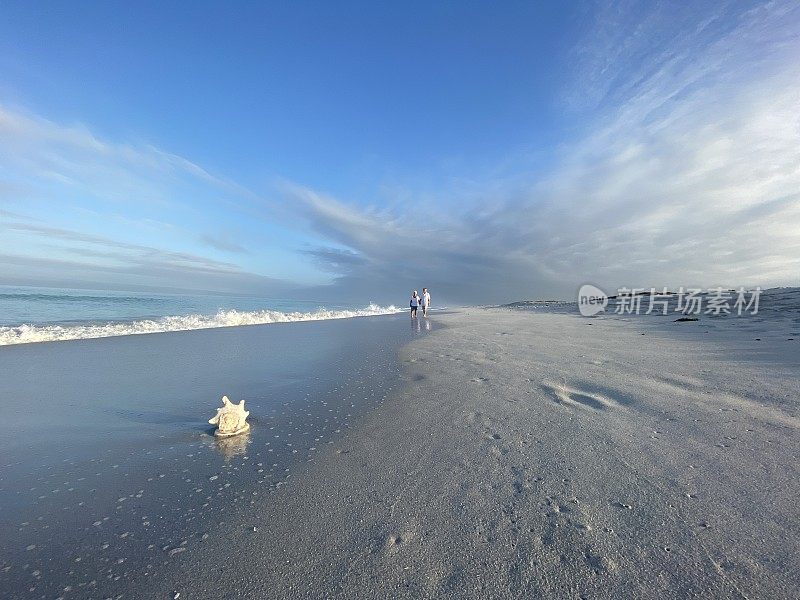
(540,455)
(108,469)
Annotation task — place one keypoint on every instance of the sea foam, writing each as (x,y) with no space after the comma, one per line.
(25,334)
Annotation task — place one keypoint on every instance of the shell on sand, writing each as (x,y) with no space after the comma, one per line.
(231,419)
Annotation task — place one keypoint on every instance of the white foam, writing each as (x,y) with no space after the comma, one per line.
(26,334)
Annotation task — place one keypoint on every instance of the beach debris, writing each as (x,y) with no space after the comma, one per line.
(231,419)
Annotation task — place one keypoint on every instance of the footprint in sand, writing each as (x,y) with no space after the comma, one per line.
(573,397)
(566,525)
(486,430)
(477,417)
(398,540)
(597,562)
(498,446)
(521,482)
(499,451)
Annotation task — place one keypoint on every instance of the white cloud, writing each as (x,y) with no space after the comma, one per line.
(67,187)
(689,176)
(71,155)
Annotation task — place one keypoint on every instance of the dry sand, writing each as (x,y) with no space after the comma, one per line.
(546,455)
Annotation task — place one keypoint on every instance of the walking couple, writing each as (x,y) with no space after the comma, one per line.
(422,301)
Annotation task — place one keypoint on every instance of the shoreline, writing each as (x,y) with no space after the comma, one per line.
(16,335)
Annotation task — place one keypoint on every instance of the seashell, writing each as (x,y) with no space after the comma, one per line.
(231,419)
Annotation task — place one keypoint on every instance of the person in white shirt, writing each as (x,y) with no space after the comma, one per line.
(425,301)
(414,304)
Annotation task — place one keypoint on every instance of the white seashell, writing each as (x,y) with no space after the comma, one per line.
(231,419)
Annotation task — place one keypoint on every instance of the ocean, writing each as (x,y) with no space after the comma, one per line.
(29,314)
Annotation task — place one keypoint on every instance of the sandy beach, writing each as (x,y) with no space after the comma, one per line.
(536,455)
(504,454)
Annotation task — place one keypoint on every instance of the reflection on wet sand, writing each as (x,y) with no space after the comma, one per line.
(420,323)
(229,447)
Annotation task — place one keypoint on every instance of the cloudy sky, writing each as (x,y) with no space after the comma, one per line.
(351,151)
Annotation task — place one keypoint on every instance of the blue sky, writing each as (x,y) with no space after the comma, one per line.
(357,150)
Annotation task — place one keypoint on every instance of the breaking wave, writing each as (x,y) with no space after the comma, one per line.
(25,334)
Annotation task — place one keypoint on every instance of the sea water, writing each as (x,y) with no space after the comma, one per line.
(30,314)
